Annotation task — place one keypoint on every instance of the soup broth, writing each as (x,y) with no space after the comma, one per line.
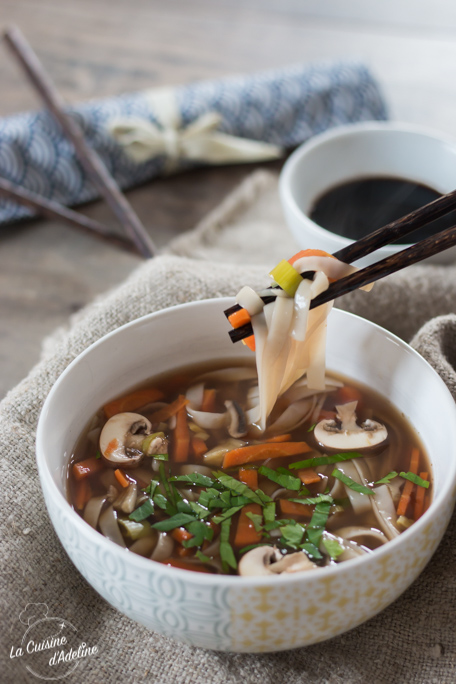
(173,472)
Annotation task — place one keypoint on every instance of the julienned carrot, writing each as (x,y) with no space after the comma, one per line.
(245,530)
(239,317)
(258,452)
(166,412)
(181,442)
(132,401)
(180,534)
(279,438)
(208,403)
(185,565)
(82,494)
(293,508)
(87,467)
(120,477)
(308,476)
(409,486)
(308,253)
(419,498)
(199,447)
(250,342)
(249,477)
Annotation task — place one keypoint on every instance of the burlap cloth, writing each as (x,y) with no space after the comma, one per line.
(412,641)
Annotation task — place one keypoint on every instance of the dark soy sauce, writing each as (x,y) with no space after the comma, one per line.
(356,208)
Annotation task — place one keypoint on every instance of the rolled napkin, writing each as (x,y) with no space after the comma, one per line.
(142,135)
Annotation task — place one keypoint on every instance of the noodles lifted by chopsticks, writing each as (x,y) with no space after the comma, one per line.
(289,338)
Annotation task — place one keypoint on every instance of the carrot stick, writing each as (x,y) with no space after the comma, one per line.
(245,530)
(307,253)
(258,452)
(132,401)
(208,403)
(87,467)
(199,447)
(180,534)
(238,318)
(121,479)
(308,476)
(166,412)
(250,342)
(409,486)
(181,443)
(249,477)
(82,494)
(177,563)
(292,508)
(419,498)
(278,438)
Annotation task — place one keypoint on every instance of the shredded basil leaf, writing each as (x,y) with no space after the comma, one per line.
(151,487)
(310,501)
(283,479)
(226,514)
(416,479)
(351,484)
(317,523)
(292,535)
(226,550)
(333,547)
(387,478)
(178,520)
(238,487)
(194,479)
(143,511)
(311,550)
(199,510)
(98,454)
(256,519)
(312,428)
(200,532)
(202,557)
(325,460)
(161,501)
(269,512)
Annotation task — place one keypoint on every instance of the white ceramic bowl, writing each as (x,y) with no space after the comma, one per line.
(356,151)
(244,613)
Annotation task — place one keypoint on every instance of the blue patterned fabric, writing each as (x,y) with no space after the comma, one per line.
(284,107)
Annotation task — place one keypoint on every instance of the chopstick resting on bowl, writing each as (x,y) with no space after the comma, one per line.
(390,233)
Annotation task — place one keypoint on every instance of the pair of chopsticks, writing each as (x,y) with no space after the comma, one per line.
(370,243)
(137,239)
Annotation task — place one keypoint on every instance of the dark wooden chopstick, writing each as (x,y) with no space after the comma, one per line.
(391,264)
(397,229)
(87,156)
(54,210)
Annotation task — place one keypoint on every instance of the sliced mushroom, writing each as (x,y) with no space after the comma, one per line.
(121,439)
(345,433)
(237,426)
(267,560)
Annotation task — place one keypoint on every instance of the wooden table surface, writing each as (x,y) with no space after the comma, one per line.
(100,48)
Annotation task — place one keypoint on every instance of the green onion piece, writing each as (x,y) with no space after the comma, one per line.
(333,547)
(133,529)
(283,479)
(387,478)
(143,511)
(416,479)
(226,550)
(317,523)
(325,460)
(178,520)
(256,519)
(147,441)
(351,484)
(161,457)
(287,277)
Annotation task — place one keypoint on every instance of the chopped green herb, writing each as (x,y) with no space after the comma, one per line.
(416,479)
(269,512)
(178,520)
(333,547)
(226,514)
(194,479)
(206,496)
(98,454)
(310,501)
(325,460)
(279,477)
(226,550)
(201,557)
(151,487)
(166,485)
(292,535)
(184,507)
(253,546)
(317,523)
(311,550)
(199,510)
(200,532)
(161,457)
(161,501)
(351,484)
(312,427)
(143,511)
(238,487)
(256,519)
(387,478)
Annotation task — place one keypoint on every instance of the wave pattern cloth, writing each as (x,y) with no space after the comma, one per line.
(283,107)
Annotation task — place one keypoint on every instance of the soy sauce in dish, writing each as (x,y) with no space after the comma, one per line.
(356,208)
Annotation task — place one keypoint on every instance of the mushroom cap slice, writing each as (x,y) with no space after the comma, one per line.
(256,562)
(121,439)
(348,434)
